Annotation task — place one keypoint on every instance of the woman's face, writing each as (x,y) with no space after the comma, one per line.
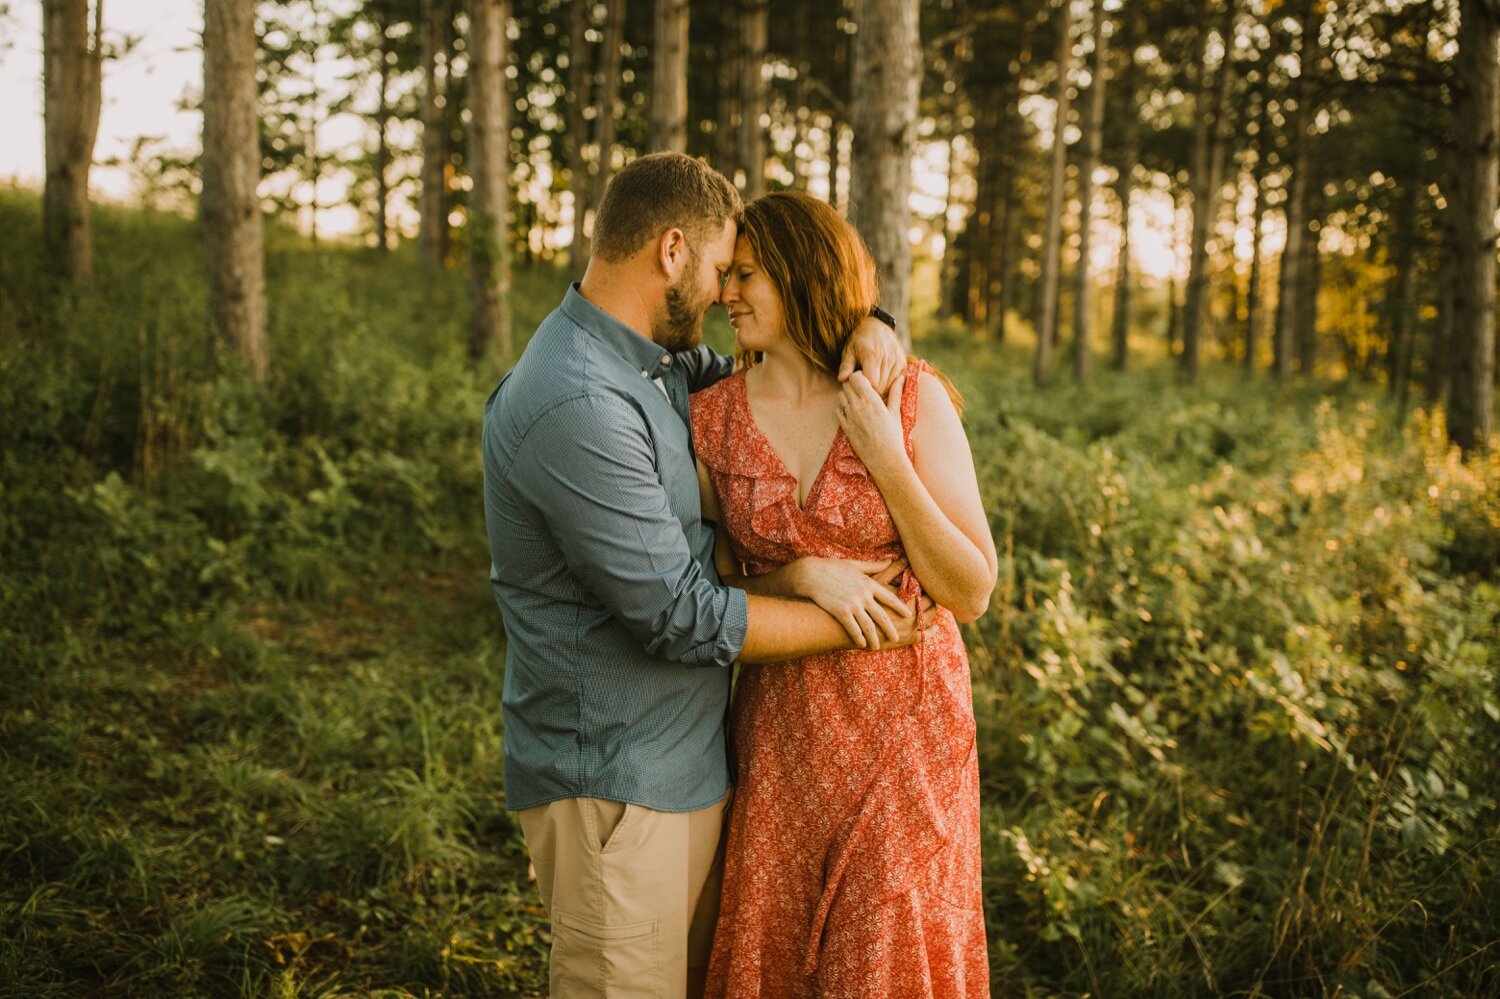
(753,302)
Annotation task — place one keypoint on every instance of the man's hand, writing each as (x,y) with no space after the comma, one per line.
(918,625)
(875,350)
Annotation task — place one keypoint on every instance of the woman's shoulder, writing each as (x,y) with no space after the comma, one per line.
(711,411)
(927,395)
(717,396)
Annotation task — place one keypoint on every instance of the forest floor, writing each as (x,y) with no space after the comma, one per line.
(1237,693)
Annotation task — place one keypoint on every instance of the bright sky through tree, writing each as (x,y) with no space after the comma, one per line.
(149,92)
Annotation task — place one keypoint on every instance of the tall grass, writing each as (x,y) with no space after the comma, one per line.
(1237,694)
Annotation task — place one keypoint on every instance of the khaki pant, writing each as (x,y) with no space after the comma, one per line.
(632,893)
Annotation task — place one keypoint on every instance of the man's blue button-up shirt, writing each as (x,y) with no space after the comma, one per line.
(619,632)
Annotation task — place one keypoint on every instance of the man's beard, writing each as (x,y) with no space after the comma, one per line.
(680,326)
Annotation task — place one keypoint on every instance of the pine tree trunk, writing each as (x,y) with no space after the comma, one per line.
(1403,309)
(436,28)
(755,16)
(73,93)
(669,70)
(801,113)
(1297,193)
(1093,144)
(887,71)
(1120,320)
(1209,108)
(580,92)
(1439,383)
(982,220)
(1310,281)
(230,204)
(1476,160)
(948,270)
(1046,313)
(609,96)
(382,125)
(489,166)
(1257,231)
(727,81)
(1003,245)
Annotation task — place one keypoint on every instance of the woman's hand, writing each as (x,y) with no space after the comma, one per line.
(859,596)
(872,424)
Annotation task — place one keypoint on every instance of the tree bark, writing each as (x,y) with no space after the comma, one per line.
(73,94)
(609,97)
(1130,153)
(1476,159)
(1257,230)
(1311,280)
(669,70)
(1297,193)
(982,222)
(727,82)
(755,16)
(1205,182)
(1404,295)
(437,26)
(1093,143)
(489,166)
(1046,313)
(580,92)
(231,174)
(887,71)
(382,125)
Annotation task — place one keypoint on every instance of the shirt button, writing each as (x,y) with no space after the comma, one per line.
(644,374)
(666,359)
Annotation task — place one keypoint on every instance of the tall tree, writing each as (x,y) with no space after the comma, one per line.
(231,174)
(669,72)
(754,25)
(1257,232)
(437,44)
(380,12)
(1046,311)
(609,94)
(1093,143)
(488,223)
(1124,187)
(72,83)
(1292,278)
(580,93)
(1209,107)
(886,75)
(1476,159)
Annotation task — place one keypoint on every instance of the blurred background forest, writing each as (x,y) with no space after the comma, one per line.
(1217,278)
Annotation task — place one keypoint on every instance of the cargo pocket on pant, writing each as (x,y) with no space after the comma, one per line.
(593,960)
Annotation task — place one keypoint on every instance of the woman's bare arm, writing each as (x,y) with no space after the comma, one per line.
(933,497)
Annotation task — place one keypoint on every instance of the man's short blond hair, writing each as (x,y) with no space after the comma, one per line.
(659,192)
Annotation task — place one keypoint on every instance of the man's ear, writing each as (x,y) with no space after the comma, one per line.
(672,253)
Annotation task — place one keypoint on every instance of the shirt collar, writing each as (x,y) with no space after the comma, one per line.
(641,353)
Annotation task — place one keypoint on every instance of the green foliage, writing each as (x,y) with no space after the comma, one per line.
(1236,694)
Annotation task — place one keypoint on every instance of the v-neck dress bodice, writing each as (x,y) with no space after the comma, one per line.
(852,859)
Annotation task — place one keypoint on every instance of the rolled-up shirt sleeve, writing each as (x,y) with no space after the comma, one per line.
(591,476)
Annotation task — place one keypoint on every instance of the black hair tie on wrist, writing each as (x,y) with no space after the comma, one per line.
(884,316)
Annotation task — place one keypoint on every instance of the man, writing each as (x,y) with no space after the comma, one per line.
(620,635)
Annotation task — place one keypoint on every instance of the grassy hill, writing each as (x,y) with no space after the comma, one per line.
(1237,692)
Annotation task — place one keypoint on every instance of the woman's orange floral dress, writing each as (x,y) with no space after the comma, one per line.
(852,859)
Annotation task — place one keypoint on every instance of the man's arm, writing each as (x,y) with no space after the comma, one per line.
(703,366)
(876,350)
(587,469)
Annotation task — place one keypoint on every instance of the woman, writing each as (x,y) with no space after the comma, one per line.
(852,857)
